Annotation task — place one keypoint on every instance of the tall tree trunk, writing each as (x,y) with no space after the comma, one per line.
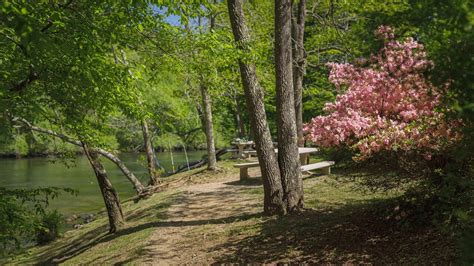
(299,67)
(207,114)
(109,194)
(273,192)
(288,156)
(150,153)
(208,128)
(238,118)
(139,188)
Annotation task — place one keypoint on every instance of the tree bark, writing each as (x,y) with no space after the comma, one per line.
(299,67)
(207,114)
(139,188)
(150,153)
(288,156)
(273,192)
(238,118)
(208,128)
(109,194)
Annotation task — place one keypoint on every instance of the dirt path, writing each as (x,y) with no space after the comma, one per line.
(211,204)
(221,222)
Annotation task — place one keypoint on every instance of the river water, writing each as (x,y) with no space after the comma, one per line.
(43,172)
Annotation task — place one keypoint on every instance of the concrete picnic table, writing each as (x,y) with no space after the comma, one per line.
(303,152)
(241,147)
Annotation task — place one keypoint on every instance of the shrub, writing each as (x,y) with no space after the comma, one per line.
(23,215)
(393,118)
(48,227)
(386,106)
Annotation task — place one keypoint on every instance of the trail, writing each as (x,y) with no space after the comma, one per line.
(212,204)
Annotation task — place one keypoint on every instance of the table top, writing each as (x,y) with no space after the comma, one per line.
(243,143)
(300,151)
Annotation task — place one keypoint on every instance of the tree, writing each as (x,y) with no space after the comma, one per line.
(147,142)
(62,70)
(273,191)
(299,66)
(288,156)
(109,194)
(208,128)
(150,153)
(202,66)
(207,115)
(238,116)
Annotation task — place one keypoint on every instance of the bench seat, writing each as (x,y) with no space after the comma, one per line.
(244,173)
(325,166)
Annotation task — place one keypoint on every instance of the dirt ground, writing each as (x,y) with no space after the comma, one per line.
(209,206)
(216,218)
(221,222)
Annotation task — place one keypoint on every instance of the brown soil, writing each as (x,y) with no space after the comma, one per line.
(219,222)
(209,206)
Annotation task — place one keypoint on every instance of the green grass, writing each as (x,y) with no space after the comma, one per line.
(343,224)
(92,244)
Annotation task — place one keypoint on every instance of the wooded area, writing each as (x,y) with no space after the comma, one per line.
(382,90)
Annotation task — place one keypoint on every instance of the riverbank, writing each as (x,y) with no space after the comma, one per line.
(77,174)
(215,218)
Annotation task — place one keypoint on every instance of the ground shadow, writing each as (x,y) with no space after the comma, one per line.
(254,181)
(62,252)
(355,233)
(185,204)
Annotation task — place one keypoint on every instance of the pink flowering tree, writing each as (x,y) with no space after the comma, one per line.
(386,106)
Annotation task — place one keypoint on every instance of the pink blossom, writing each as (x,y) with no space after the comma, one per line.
(389,105)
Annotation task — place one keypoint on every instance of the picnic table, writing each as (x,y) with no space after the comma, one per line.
(303,152)
(243,147)
(325,166)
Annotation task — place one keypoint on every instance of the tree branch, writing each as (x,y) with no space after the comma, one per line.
(130,176)
(32,76)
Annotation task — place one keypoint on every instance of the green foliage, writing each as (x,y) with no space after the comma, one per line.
(15,145)
(60,59)
(169,141)
(95,69)
(49,225)
(23,214)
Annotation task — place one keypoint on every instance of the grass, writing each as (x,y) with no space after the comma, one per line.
(343,224)
(92,244)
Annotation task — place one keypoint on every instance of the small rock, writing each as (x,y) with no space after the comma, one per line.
(71,218)
(88,218)
(77,226)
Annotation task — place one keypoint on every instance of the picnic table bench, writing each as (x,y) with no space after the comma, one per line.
(303,152)
(241,147)
(325,166)
(244,167)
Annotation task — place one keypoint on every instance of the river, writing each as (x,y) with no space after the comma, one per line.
(44,172)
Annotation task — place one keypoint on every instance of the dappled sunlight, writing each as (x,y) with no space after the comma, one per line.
(349,234)
(236,132)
